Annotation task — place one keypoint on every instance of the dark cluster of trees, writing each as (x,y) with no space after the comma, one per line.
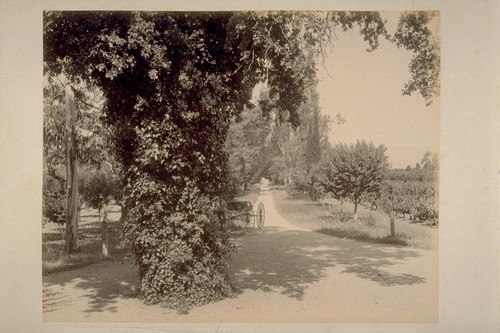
(159,91)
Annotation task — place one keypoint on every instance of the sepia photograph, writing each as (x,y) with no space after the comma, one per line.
(217,166)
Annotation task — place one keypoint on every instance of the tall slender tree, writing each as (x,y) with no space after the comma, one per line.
(71,173)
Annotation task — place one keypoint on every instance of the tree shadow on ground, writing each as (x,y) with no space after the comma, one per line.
(270,260)
(105,292)
(288,261)
(104,284)
(52,300)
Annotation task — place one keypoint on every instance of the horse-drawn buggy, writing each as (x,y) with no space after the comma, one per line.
(242,211)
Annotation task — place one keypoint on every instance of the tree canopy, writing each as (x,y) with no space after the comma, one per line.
(354,171)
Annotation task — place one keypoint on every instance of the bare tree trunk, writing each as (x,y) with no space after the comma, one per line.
(71,175)
(98,217)
(355,209)
(105,239)
(124,212)
(393,224)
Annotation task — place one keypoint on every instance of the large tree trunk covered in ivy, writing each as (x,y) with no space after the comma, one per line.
(170,224)
(71,174)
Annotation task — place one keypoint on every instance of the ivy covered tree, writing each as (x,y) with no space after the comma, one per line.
(172,81)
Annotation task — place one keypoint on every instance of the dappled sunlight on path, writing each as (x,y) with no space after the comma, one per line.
(281,273)
(101,286)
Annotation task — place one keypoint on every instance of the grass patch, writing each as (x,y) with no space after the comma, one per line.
(60,260)
(371,226)
(357,229)
(55,258)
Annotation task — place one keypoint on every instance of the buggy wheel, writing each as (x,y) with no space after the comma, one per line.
(249,220)
(261,215)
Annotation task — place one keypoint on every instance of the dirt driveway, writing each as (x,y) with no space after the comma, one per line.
(281,274)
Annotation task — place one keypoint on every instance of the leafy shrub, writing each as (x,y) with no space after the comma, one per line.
(98,188)
(306,183)
(275,172)
(297,186)
(416,198)
(373,199)
(54,200)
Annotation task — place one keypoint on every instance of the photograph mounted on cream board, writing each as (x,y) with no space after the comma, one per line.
(210,166)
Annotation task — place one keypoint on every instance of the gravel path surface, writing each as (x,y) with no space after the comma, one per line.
(281,274)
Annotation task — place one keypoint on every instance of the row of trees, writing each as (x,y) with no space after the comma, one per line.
(417,199)
(412,191)
(171,82)
(260,146)
(304,161)
(360,173)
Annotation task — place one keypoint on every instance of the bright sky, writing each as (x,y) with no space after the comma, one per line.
(365,88)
